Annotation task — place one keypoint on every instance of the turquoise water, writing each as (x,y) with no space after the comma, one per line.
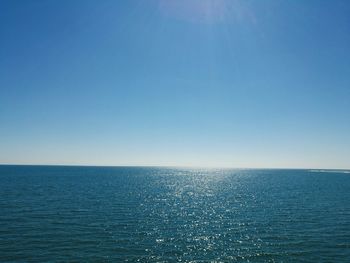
(170,215)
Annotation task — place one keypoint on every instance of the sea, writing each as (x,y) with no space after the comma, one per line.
(158,214)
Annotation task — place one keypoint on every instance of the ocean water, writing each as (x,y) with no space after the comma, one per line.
(125,214)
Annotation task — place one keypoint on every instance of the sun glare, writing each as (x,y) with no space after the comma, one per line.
(202,11)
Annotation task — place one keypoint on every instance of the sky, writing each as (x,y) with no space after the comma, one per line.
(223,83)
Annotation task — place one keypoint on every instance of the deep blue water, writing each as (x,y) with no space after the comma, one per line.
(93,214)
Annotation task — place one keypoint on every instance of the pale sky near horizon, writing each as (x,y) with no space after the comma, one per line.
(223,83)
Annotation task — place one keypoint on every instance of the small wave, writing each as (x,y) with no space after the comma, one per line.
(330,171)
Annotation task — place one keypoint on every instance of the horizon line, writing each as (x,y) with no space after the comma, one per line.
(176,166)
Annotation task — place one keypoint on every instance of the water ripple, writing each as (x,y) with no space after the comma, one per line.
(173,215)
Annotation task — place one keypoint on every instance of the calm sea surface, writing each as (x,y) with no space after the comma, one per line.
(121,214)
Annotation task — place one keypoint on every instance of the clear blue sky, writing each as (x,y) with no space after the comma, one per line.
(160,82)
